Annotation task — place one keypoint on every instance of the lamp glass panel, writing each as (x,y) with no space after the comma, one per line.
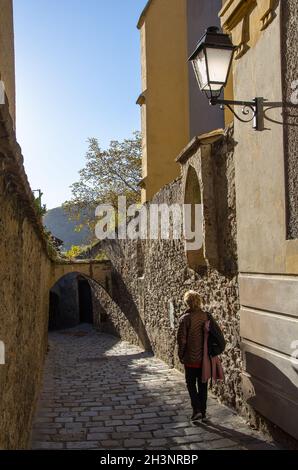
(218,62)
(200,68)
(213,87)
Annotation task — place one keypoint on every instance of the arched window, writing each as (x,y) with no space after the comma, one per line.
(192,196)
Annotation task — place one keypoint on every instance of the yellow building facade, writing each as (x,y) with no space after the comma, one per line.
(172,109)
(7,63)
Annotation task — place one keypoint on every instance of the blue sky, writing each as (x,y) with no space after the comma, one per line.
(77,76)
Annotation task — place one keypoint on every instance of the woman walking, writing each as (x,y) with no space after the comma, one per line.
(200,341)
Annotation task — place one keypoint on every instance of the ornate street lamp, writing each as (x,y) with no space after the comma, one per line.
(212,60)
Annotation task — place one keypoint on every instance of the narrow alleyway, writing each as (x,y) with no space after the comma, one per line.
(103,393)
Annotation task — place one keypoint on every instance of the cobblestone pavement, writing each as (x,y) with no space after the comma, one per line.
(103,393)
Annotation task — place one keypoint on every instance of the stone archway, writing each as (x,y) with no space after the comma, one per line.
(98,271)
(73,300)
(72,283)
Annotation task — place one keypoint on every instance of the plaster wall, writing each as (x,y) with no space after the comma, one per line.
(165,87)
(267,260)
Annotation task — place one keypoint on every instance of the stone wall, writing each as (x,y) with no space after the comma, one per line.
(29,268)
(153,301)
(25,276)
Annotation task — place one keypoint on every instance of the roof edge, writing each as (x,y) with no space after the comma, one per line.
(203,139)
(143,14)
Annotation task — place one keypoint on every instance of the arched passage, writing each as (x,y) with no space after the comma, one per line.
(73,301)
(192,196)
(98,270)
(85,301)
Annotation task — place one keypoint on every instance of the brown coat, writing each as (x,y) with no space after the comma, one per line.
(190,337)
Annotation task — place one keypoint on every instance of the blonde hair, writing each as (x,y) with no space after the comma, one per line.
(192,300)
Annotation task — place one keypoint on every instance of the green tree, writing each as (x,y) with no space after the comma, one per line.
(40,208)
(73,252)
(107,175)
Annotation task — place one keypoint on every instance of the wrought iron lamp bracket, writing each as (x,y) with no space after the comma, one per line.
(253,109)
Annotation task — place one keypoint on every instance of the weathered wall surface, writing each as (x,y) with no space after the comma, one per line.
(25,274)
(24,277)
(267,259)
(28,269)
(153,295)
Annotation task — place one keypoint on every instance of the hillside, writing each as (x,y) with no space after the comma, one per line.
(56,220)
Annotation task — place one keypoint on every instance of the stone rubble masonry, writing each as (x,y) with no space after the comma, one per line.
(25,273)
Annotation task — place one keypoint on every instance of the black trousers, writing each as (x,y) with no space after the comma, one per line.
(197,390)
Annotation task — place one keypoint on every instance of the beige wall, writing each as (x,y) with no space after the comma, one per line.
(7,67)
(267,260)
(261,193)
